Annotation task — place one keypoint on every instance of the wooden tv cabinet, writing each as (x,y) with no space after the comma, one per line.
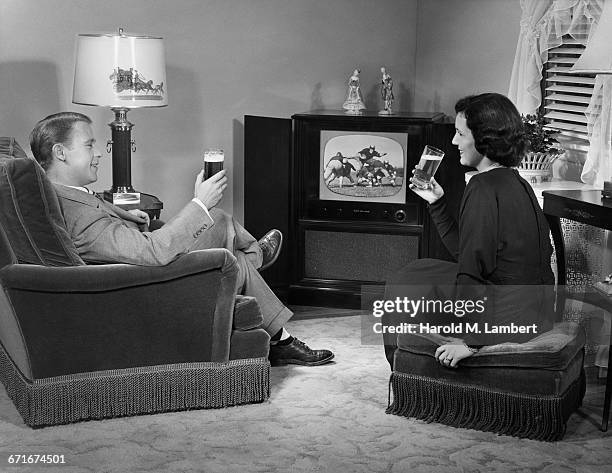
(333,249)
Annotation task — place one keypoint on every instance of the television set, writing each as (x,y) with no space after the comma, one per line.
(356,168)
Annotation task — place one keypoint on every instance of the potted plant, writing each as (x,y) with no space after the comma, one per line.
(542,149)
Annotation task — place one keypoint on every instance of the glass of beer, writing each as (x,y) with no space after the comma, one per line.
(427,167)
(213,162)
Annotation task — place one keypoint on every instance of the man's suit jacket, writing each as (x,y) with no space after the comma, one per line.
(105,233)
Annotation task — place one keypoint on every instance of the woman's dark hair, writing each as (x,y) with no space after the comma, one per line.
(56,128)
(496,126)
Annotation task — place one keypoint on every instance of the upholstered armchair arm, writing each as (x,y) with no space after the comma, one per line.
(95,318)
(106,277)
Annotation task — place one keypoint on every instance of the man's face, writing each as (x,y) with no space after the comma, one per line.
(81,156)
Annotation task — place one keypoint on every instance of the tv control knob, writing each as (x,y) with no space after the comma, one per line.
(385,214)
(400,216)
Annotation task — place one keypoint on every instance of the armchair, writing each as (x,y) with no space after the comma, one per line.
(82,342)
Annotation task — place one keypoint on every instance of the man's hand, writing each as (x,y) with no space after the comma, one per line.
(141,215)
(432,194)
(210,191)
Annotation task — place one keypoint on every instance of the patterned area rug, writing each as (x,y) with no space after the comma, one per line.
(329,418)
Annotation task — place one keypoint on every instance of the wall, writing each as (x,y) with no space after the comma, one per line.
(464,47)
(225,59)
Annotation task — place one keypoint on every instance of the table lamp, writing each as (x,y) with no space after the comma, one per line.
(121,71)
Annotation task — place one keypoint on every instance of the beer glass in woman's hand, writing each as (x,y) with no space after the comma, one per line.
(427,167)
(431,194)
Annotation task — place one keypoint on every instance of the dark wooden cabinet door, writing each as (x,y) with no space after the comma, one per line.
(267,169)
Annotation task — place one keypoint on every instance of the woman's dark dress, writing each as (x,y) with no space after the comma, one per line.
(502,239)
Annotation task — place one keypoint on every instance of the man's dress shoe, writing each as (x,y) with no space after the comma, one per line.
(298,353)
(270,245)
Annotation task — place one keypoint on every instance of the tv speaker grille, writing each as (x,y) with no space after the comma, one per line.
(356,256)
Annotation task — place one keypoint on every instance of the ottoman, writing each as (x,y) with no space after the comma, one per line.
(521,389)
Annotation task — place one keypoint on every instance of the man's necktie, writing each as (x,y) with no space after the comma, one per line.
(95,194)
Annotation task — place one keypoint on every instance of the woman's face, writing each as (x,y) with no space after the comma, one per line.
(464,140)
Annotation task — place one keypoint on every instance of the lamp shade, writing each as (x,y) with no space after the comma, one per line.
(597,57)
(120,71)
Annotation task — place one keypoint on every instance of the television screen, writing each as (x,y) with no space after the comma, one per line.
(362,166)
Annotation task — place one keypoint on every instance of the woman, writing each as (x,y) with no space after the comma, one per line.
(501,243)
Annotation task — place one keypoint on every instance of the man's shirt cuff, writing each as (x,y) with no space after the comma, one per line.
(201,204)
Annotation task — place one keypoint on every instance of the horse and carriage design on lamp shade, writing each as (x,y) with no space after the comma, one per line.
(131,80)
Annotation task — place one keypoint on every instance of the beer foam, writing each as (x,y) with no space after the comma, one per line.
(214,156)
(431,157)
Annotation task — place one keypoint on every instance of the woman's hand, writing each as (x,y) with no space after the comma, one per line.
(432,194)
(451,354)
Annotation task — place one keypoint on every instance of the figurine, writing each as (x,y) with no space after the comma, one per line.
(386,91)
(354,100)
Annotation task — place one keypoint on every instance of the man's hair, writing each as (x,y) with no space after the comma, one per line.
(496,126)
(56,128)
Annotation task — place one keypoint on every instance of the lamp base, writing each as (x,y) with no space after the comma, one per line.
(127,200)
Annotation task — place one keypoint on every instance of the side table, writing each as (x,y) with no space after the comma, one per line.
(148,203)
(583,206)
(151,205)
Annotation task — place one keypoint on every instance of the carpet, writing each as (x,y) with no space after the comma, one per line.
(328,418)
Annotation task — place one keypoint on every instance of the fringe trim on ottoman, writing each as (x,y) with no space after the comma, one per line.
(134,391)
(535,417)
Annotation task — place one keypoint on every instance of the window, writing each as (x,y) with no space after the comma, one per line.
(566,96)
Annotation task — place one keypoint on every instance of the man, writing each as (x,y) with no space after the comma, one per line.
(64,145)
(366,155)
(337,157)
(338,167)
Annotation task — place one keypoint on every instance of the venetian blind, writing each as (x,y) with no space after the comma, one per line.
(566,96)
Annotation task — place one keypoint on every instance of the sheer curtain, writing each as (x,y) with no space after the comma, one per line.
(527,70)
(543,24)
(598,165)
